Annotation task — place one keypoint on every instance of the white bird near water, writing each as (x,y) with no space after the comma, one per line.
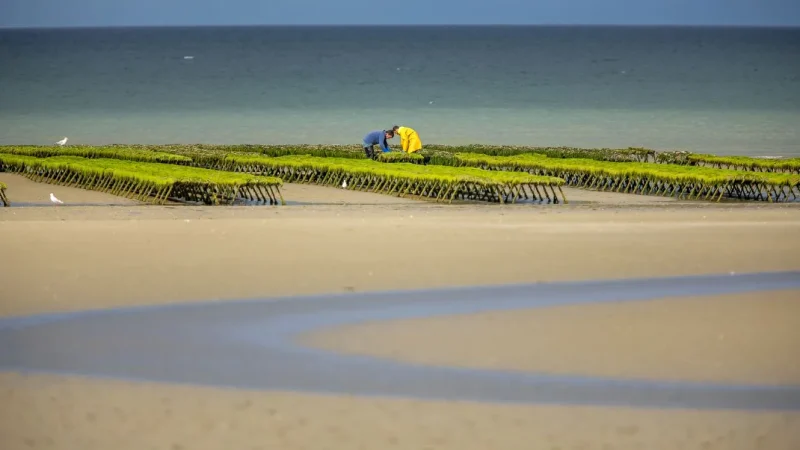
(54,199)
(344,184)
(62,142)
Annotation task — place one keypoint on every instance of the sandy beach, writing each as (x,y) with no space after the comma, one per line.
(72,413)
(98,251)
(719,339)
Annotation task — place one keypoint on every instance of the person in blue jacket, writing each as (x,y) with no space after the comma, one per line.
(379,138)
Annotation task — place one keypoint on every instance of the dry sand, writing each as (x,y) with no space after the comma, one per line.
(741,338)
(43,412)
(71,258)
(75,258)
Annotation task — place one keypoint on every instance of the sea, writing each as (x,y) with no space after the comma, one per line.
(728,91)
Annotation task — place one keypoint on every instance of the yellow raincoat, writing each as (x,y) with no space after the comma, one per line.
(409,139)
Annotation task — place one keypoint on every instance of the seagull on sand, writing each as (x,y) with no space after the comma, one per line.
(344,184)
(54,199)
(62,142)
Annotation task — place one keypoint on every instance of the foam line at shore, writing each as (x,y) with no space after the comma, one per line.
(251,344)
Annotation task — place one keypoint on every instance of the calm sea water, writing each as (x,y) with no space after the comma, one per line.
(726,91)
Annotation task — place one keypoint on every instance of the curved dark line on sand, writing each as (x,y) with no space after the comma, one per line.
(251,344)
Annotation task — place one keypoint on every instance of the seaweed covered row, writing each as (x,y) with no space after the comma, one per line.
(744,163)
(438,183)
(3,199)
(126,151)
(432,154)
(146,182)
(681,181)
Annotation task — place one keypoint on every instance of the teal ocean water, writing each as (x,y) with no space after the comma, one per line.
(719,90)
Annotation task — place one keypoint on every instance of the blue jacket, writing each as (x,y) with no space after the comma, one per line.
(377,137)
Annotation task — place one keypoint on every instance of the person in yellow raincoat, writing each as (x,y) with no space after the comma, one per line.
(409,139)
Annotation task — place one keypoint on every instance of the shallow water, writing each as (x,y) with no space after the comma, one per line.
(719,90)
(252,344)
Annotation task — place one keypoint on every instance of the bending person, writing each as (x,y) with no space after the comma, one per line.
(409,139)
(377,137)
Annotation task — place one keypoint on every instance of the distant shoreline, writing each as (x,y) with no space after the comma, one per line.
(394,26)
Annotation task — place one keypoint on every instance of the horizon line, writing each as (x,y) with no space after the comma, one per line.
(465,25)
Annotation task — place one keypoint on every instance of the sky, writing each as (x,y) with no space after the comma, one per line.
(91,13)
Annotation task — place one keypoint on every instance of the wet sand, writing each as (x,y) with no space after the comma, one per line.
(24,192)
(95,257)
(751,338)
